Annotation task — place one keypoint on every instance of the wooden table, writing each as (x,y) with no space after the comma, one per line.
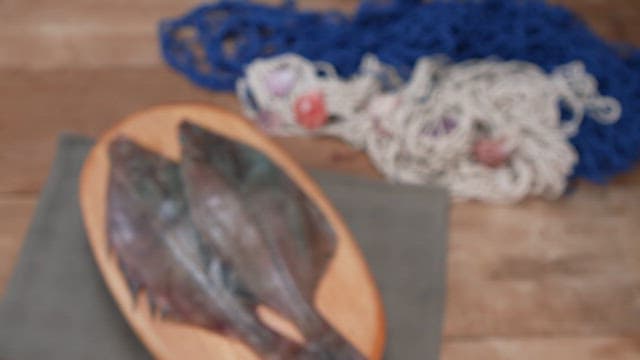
(539,280)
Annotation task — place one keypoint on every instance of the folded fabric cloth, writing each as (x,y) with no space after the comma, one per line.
(57,306)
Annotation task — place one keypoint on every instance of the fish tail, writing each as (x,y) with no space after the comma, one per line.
(328,344)
(281,348)
(332,346)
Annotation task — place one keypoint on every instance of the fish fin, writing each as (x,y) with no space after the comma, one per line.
(166,313)
(320,235)
(313,241)
(159,307)
(133,284)
(153,308)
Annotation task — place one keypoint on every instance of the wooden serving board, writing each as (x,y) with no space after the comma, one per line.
(347,295)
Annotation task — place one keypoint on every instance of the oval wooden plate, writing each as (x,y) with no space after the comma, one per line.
(346,296)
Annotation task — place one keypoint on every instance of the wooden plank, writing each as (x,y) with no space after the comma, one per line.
(557,348)
(37,105)
(76,33)
(47,34)
(542,268)
(15,214)
(329,154)
(615,20)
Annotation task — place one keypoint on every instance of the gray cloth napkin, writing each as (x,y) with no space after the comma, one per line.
(57,307)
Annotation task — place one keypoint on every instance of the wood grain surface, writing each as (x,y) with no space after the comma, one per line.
(552,280)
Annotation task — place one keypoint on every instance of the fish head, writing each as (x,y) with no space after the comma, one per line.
(195,141)
(147,177)
(128,159)
(240,165)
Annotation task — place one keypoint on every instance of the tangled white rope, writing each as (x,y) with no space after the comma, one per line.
(488,130)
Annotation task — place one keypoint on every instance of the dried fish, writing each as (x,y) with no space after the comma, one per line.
(160,251)
(252,214)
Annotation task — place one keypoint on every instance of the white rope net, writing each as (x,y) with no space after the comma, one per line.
(488,130)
